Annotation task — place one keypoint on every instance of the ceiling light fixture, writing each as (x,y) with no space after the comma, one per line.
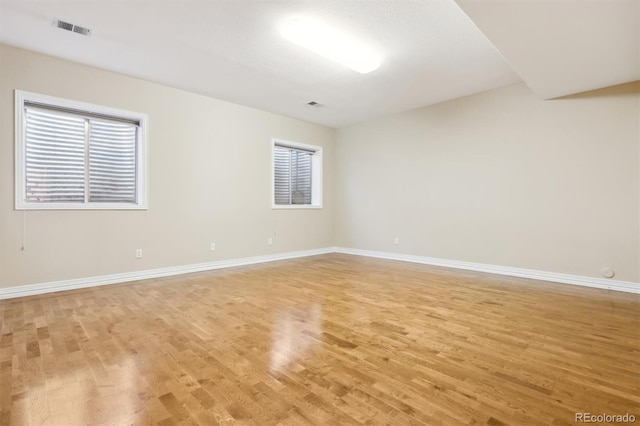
(331,44)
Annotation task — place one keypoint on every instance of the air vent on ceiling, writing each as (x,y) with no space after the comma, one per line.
(71,27)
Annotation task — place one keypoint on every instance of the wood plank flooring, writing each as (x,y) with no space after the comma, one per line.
(332,339)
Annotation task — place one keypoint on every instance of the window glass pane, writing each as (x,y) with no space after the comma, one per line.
(54,157)
(282,175)
(112,162)
(300,177)
(292,176)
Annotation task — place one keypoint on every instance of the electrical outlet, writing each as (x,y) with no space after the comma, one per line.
(396,241)
(138,253)
(213,246)
(270,242)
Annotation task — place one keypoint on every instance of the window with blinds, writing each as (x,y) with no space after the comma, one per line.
(296,174)
(74,157)
(292,170)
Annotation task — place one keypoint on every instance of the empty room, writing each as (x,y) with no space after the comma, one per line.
(327,212)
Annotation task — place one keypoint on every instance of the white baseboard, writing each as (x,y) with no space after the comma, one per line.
(625,286)
(50,287)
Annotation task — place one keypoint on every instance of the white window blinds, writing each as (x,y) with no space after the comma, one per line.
(292,175)
(55,157)
(112,162)
(77,157)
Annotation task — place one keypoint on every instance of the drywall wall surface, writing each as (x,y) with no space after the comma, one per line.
(501,178)
(209,180)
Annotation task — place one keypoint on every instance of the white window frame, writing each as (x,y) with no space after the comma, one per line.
(21,97)
(316,175)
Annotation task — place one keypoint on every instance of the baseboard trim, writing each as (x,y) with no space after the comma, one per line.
(73,284)
(78,283)
(625,286)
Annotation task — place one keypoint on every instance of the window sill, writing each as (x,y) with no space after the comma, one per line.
(296,207)
(70,206)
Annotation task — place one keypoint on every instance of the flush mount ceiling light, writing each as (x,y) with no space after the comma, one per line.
(331,44)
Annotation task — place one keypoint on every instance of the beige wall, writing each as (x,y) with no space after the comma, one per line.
(502,178)
(209,181)
(499,177)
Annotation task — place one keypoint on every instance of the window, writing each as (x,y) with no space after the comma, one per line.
(297,175)
(72,155)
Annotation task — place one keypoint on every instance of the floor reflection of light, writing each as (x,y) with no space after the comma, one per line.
(290,343)
(119,402)
(80,396)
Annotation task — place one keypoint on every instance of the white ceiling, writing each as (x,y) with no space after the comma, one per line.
(432,51)
(232,50)
(562,47)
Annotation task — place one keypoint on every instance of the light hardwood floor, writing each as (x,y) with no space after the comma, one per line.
(331,339)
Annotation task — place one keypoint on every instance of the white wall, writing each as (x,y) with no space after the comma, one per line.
(502,178)
(209,181)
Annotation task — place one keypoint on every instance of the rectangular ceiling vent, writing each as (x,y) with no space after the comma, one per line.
(71,27)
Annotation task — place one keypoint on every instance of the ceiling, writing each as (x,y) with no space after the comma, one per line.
(431,49)
(562,47)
